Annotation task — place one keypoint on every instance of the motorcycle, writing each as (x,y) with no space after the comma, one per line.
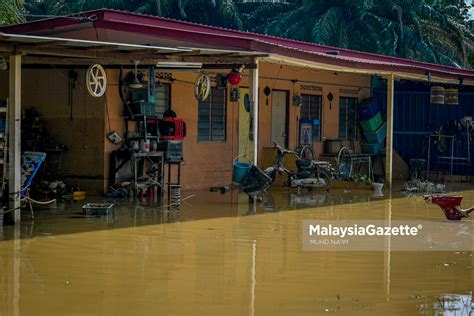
(311,173)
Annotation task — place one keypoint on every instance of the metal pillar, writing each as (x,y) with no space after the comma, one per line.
(389,149)
(254,100)
(14,140)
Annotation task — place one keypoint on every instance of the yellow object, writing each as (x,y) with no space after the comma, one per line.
(451,96)
(437,95)
(79,195)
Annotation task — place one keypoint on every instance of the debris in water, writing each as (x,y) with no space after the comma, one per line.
(447,264)
(423,186)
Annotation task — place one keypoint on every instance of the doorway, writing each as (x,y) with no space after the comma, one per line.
(280,112)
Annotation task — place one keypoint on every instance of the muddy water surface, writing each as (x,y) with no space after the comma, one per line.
(217,258)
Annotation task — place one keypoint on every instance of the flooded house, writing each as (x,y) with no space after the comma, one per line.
(154,107)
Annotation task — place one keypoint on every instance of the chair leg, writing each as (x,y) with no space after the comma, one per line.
(30,203)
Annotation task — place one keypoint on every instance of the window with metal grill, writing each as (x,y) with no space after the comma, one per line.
(212,117)
(163,99)
(347,118)
(311,108)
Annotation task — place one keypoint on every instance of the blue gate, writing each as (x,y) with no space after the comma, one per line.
(415,119)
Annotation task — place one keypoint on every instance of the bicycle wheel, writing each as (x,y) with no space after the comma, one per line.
(344,163)
(306,152)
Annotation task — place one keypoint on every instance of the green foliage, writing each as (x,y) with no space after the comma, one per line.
(435,31)
(11,12)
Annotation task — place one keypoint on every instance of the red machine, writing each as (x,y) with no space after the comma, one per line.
(172,128)
(451,206)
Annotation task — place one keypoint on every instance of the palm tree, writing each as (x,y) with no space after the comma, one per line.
(405,28)
(11,12)
(424,32)
(337,23)
(429,30)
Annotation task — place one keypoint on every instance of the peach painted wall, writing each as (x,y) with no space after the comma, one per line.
(206,163)
(332,83)
(210,163)
(47,91)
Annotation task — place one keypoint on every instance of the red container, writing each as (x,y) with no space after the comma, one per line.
(172,128)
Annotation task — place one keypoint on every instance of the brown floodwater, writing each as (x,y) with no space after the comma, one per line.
(215,257)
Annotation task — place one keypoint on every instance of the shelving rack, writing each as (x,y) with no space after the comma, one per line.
(451,159)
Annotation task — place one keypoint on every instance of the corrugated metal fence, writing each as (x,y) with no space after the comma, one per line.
(415,119)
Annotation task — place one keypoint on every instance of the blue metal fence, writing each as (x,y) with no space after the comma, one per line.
(415,119)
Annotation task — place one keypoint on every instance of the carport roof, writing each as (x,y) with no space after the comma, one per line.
(185,35)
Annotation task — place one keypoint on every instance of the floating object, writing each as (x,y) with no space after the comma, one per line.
(451,206)
(79,195)
(378,187)
(451,96)
(255,182)
(222,190)
(437,95)
(100,209)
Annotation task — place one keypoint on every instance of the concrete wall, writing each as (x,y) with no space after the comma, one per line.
(206,163)
(333,82)
(47,91)
(210,163)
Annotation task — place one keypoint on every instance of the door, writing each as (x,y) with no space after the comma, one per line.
(280,111)
(245,143)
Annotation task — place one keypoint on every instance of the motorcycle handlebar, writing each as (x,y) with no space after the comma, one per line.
(282,150)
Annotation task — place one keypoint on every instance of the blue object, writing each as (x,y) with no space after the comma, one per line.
(367,108)
(30,164)
(371,149)
(240,170)
(377,136)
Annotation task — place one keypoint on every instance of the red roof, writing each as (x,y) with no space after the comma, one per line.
(198,35)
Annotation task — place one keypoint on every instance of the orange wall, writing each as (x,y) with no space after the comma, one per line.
(333,83)
(47,91)
(206,163)
(210,163)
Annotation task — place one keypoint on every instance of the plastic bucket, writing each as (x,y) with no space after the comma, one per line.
(240,170)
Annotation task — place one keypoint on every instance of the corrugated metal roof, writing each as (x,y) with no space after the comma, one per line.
(78,43)
(218,37)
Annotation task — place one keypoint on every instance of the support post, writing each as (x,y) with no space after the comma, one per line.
(389,147)
(254,99)
(14,140)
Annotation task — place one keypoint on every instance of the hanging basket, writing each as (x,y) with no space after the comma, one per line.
(451,97)
(437,95)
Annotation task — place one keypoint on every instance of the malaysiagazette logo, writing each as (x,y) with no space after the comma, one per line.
(330,230)
(388,234)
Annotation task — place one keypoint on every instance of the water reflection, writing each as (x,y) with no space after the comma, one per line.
(211,259)
(449,305)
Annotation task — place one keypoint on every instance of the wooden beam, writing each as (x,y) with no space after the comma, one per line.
(80,53)
(389,143)
(14,140)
